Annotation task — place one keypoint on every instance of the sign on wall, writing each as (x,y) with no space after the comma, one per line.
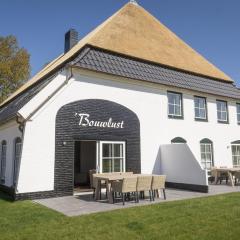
(85,120)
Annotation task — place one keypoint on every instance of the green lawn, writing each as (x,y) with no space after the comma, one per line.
(205,218)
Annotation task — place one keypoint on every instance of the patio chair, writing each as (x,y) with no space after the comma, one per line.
(126,186)
(158,183)
(94,182)
(237,177)
(220,176)
(144,183)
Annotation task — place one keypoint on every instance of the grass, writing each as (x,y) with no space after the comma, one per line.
(215,217)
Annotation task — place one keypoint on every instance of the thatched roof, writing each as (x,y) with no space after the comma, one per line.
(135,32)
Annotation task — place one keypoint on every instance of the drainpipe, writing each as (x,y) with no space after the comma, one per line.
(22,122)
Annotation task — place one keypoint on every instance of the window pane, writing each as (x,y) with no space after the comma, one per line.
(236,154)
(203,157)
(238,150)
(222,111)
(202,103)
(197,113)
(219,115)
(208,165)
(106,165)
(3,161)
(224,116)
(171,109)
(196,102)
(202,113)
(170,98)
(200,107)
(238,108)
(208,148)
(178,99)
(107,150)
(117,165)
(177,110)
(117,150)
(224,106)
(206,155)
(238,112)
(235,162)
(174,104)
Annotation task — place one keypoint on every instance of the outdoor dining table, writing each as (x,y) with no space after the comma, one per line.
(108,178)
(229,171)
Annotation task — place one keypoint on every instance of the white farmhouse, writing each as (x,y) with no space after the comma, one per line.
(119,100)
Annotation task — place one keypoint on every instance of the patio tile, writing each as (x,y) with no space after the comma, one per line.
(85,204)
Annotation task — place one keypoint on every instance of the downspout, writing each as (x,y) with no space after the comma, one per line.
(22,123)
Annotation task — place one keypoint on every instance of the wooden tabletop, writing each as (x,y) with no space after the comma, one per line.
(115,177)
(110,177)
(227,169)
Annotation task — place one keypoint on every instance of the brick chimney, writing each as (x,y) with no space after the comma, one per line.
(71,39)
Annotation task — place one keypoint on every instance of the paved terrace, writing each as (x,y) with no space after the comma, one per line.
(85,204)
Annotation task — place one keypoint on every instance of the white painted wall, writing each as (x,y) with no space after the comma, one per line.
(9,132)
(148,101)
(178,163)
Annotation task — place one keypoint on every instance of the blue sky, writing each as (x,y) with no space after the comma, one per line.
(210,27)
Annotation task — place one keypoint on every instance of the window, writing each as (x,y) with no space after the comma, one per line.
(222,111)
(178,140)
(236,153)
(200,108)
(206,147)
(17,156)
(3,160)
(175,105)
(238,113)
(112,157)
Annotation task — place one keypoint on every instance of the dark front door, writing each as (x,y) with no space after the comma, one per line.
(85,160)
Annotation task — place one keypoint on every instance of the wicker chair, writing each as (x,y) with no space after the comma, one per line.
(126,186)
(158,183)
(94,182)
(144,183)
(220,176)
(237,177)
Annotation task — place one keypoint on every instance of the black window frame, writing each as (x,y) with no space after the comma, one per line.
(210,142)
(16,162)
(182,112)
(206,109)
(235,144)
(238,104)
(222,121)
(178,140)
(3,174)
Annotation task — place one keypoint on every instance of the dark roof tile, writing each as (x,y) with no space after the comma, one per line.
(131,68)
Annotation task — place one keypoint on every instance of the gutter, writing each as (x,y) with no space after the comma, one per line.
(22,122)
